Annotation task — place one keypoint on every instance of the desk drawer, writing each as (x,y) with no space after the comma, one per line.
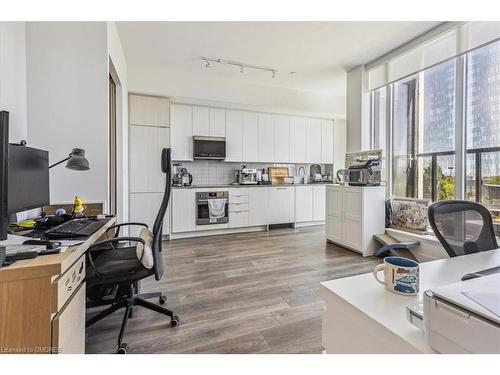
(69,282)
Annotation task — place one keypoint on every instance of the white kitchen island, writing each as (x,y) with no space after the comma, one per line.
(361,316)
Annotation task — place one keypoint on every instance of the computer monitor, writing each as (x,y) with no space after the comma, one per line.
(4,157)
(28,178)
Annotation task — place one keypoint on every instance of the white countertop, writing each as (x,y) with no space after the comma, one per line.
(389,309)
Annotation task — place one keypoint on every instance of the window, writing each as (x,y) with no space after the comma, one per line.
(423,133)
(403,138)
(482,180)
(379,124)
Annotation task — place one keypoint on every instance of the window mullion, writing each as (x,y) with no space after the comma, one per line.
(460,125)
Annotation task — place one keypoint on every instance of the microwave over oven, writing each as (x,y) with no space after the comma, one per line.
(212,148)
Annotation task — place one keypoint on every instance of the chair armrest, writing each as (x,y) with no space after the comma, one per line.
(118,226)
(96,245)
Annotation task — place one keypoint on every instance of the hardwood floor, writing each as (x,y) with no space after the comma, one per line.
(239,293)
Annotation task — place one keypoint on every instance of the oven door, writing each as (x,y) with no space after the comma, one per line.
(203,212)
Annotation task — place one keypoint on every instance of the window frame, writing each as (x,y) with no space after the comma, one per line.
(460,151)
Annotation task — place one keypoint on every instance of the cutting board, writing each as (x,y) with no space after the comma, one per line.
(277,174)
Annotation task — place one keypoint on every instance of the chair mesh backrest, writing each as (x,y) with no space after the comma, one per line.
(462,227)
(158,225)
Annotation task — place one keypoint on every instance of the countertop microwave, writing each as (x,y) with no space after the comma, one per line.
(212,148)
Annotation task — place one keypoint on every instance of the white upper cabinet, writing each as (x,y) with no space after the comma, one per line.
(217,122)
(181,131)
(313,140)
(326,141)
(149,111)
(234,135)
(266,137)
(281,139)
(201,121)
(297,140)
(250,131)
(209,121)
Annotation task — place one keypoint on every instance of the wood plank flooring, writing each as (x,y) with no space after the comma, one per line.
(238,293)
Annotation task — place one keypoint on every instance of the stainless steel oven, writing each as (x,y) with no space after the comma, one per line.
(212,207)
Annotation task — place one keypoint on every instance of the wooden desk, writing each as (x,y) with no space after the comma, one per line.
(363,317)
(42,302)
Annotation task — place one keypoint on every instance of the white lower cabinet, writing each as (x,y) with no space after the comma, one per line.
(319,197)
(144,208)
(303,204)
(183,210)
(281,205)
(238,207)
(309,203)
(258,205)
(354,215)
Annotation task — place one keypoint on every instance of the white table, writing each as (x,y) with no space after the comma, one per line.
(363,317)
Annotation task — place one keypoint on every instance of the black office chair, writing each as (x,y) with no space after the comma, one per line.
(462,227)
(120,266)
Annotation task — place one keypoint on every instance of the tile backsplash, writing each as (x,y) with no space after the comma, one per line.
(209,172)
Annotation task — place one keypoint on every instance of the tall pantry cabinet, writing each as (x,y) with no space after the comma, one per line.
(149,119)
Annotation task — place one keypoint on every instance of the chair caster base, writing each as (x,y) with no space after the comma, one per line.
(174,322)
(162,300)
(122,349)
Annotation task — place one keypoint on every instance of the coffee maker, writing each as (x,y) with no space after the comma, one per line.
(176,174)
(247,176)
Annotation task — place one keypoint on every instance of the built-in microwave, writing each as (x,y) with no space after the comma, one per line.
(213,148)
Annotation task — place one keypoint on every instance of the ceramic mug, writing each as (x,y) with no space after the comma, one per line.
(401,275)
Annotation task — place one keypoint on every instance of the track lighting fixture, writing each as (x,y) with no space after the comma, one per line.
(240,64)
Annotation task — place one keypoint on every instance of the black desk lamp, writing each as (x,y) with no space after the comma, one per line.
(76,160)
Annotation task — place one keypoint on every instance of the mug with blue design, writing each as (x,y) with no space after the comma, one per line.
(401,275)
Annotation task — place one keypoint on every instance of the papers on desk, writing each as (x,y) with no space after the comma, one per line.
(490,301)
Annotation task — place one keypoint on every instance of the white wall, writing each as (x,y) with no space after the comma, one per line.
(67,79)
(118,70)
(13,77)
(358,110)
(227,92)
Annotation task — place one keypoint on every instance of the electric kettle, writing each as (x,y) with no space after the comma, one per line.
(342,176)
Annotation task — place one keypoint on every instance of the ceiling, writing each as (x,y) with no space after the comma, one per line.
(319,52)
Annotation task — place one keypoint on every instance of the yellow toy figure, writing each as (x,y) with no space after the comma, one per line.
(78,207)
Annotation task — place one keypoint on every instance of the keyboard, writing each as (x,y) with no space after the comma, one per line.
(75,228)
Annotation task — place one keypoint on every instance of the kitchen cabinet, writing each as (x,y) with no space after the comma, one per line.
(258,205)
(143,209)
(303,204)
(181,131)
(217,122)
(281,205)
(234,136)
(354,215)
(183,210)
(297,140)
(313,141)
(266,137)
(250,139)
(281,139)
(149,111)
(327,142)
(318,198)
(209,121)
(238,207)
(201,121)
(146,143)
